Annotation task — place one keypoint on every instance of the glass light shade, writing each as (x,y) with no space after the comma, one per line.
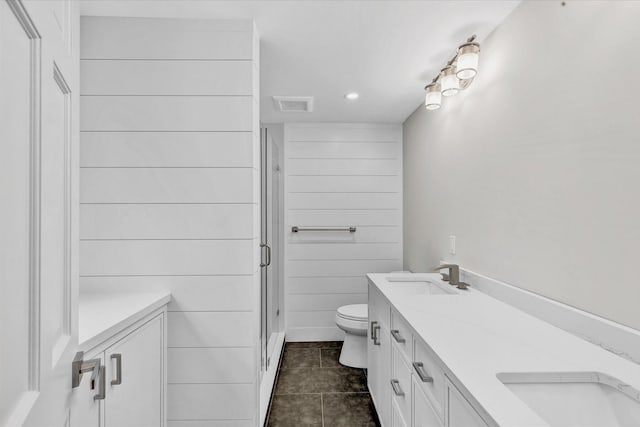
(467,64)
(448,81)
(433,99)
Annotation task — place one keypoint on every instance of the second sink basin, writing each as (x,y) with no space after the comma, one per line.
(576,399)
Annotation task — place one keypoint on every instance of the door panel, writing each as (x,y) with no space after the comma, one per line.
(38,169)
(19,44)
(55,204)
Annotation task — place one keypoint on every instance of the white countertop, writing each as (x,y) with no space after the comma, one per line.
(477,337)
(103,314)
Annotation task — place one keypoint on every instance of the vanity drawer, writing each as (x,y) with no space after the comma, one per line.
(400,382)
(430,376)
(401,335)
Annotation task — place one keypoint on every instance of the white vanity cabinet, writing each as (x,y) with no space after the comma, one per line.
(134,383)
(407,381)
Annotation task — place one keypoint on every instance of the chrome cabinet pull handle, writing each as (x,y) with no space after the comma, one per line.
(375,339)
(373,330)
(396,335)
(101,388)
(424,376)
(268,248)
(397,390)
(268,255)
(118,358)
(262,263)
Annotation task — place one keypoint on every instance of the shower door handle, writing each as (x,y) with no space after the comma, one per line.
(268,263)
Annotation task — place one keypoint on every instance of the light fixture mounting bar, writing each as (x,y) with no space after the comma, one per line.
(453,59)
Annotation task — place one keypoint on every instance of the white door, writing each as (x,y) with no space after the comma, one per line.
(38,214)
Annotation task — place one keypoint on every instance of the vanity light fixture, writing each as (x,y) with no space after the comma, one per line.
(433,100)
(457,75)
(467,63)
(449,81)
(352,96)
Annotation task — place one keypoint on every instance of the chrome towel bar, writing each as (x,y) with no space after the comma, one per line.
(296,229)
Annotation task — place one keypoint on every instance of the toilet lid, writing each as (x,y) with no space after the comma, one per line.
(354,312)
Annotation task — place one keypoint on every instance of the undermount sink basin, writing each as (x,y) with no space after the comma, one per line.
(580,399)
(415,286)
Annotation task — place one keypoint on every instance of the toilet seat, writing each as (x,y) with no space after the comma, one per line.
(354,312)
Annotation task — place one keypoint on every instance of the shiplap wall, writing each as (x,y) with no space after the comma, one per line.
(169,196)
(338,175)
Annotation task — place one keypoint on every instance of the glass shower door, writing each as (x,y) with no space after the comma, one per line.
(269,245)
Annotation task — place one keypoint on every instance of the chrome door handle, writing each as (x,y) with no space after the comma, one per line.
(375,338)
(80,366)
(396,335)
(397,390)
(101,388)
(424,376)
(118,358)
(373,329)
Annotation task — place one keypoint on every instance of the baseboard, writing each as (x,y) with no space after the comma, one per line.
(619,339)
(315,334)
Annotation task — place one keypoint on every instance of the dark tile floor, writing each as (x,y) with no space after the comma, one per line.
(314,390)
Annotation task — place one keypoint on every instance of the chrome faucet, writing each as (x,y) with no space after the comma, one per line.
(454,275)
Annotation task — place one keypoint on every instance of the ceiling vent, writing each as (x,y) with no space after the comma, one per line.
(293,104)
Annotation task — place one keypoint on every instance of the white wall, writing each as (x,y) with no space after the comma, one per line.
(169,195)
(338,175)
(535,168)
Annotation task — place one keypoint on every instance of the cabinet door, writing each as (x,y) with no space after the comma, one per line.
(379,356)
(423,413)
(460,412)
(373,357)
(135,378)
(379,372)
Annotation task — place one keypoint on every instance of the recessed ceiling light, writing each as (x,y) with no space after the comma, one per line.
(352,96)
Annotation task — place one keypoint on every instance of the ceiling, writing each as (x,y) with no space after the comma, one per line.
(384,50)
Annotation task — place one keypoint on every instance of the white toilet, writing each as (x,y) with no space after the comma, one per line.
(353,320)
